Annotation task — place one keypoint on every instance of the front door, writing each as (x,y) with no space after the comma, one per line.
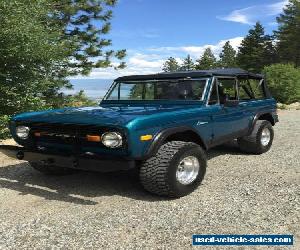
(228,122)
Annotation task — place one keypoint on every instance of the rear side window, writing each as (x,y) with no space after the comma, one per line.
(257,88)
(245,91)
(251,89)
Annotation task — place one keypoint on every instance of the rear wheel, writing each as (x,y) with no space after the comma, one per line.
(176,170)
(51,169)
(260,140)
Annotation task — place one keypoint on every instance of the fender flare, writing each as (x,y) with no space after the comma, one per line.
(272,114)
(161,136)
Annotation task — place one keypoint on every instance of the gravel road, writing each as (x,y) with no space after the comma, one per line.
(241,194)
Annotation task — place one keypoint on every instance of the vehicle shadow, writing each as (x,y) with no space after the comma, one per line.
(79,188)
(230,147)
(84,187)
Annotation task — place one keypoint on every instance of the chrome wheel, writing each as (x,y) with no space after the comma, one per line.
(265,137)
(187,170)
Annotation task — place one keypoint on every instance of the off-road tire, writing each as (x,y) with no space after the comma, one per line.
(158,173)
(51,169)
(252,143)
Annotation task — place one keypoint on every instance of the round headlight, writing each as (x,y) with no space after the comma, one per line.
(112,139)
(22,132)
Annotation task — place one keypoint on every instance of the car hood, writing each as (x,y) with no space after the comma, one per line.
(103,115)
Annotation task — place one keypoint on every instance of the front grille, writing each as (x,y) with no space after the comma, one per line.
(67,134)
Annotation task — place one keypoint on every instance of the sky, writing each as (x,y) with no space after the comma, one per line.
(153,30)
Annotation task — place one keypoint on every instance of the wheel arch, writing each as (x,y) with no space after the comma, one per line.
(183,133)
(268,116)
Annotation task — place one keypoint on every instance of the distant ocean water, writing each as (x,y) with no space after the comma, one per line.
(94,88)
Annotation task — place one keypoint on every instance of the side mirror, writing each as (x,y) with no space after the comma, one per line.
(231,103)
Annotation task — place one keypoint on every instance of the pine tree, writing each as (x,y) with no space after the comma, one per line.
(227,56)
(250,55)
(257,50)
(171,65)
(288,34)
(84,27)
(207,60)
(270,55)
(43,42)
(187,64)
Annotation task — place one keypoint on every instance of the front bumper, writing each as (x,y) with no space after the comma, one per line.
(85,161)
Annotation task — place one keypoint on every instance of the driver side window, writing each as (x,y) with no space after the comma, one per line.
(227,89)
(223,89)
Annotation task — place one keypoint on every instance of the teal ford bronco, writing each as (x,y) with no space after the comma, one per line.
(160,125)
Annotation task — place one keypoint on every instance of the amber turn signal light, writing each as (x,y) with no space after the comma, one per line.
(94,138)
(146,137)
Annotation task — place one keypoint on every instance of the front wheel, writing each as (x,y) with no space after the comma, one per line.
(176,170)
(260,140)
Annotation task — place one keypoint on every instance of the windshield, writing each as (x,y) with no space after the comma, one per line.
(158,90)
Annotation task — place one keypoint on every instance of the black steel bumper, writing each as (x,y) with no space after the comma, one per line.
(84,162)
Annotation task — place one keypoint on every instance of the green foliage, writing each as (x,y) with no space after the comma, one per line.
(270,53)
(288,33)
(171,65)
(187,64)
(227,56)
(284,82)
(4,131)
(207,60)
(30,51)
(84,25)
(42,43)
(256,50)
(77,100)
(59,101)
